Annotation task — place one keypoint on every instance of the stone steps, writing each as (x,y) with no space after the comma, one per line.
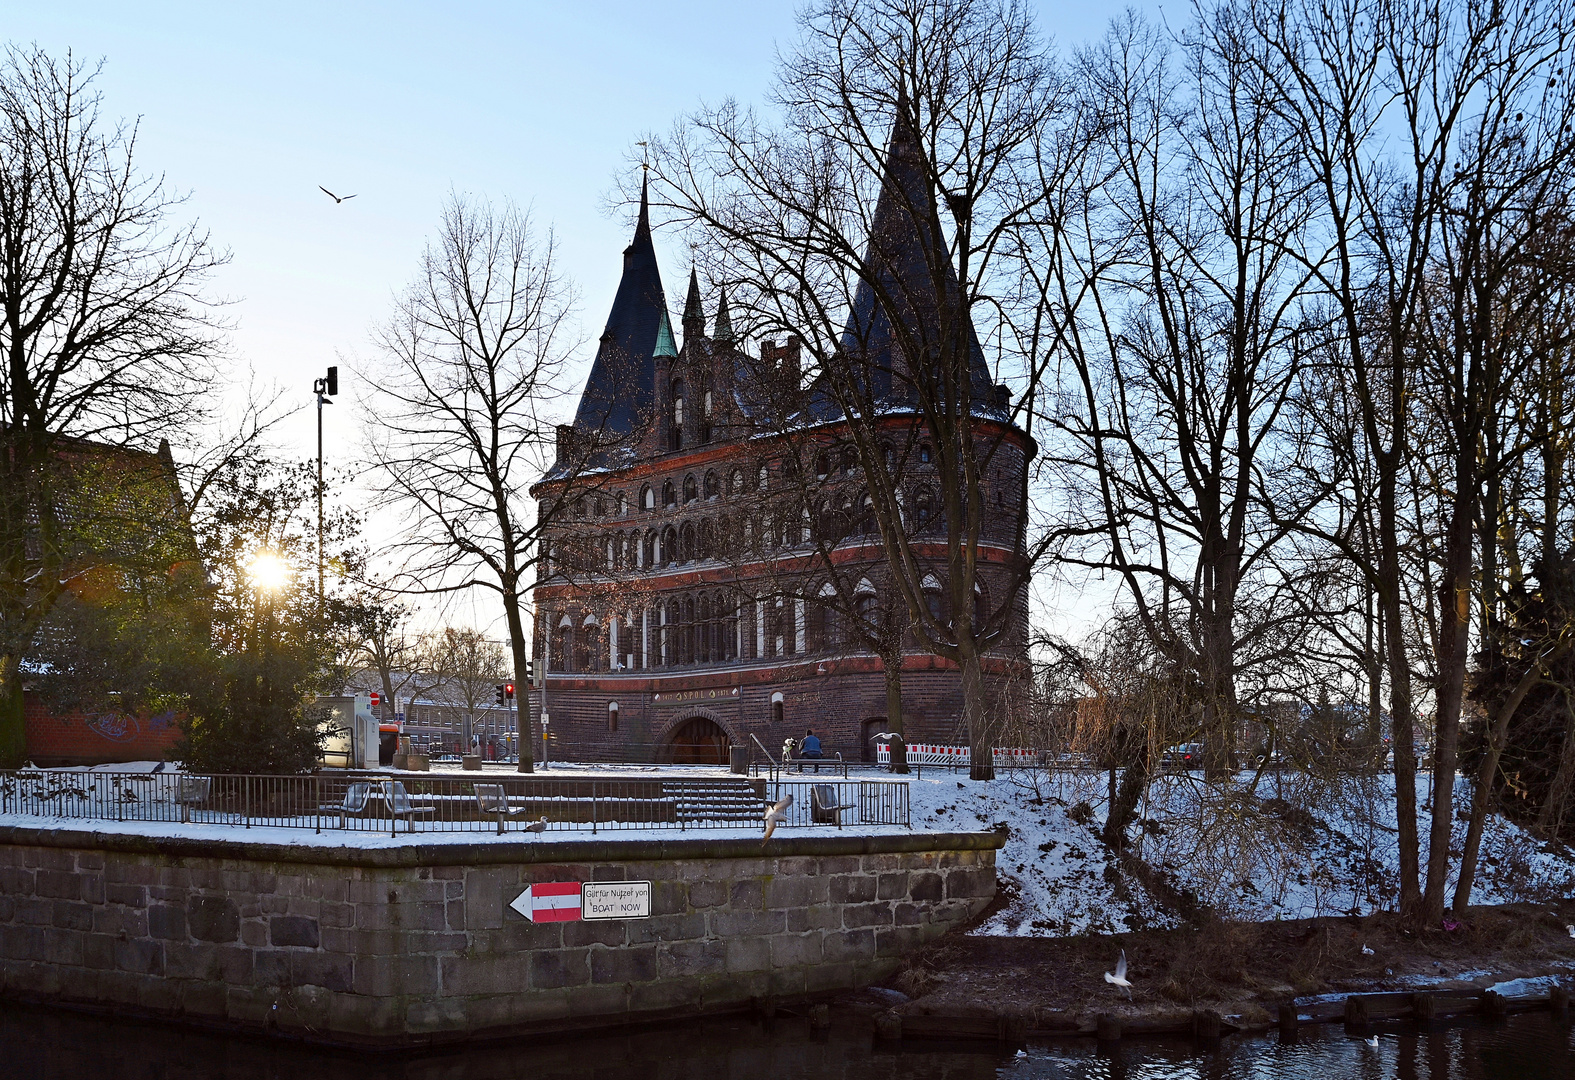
(699,801)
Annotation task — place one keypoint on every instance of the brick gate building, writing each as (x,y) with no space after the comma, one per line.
(700,501)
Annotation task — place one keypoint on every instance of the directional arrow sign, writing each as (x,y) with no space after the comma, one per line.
(549,901)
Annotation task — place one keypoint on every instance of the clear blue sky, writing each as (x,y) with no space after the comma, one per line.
(249,107)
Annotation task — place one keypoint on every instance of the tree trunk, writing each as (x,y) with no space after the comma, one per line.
(981,759)
(1399,688)
(511,610)
(1455,596)
(1125,799)
(892,664)
(1480,798)
(13,715)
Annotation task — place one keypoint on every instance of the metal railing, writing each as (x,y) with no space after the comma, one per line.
(392,803)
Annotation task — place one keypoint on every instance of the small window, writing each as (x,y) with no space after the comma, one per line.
(623,504)
(925,455)
(823,464)
(647,499)
(762,479)
(776,708)
(691,490)
(612,716)
(669,494)
(713,487)
(738,481)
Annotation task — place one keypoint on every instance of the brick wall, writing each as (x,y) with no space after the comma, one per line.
(75,738)
(413,944)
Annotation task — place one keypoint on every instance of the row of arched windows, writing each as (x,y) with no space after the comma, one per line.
(713,626)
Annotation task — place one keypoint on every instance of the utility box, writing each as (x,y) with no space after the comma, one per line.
(351,736)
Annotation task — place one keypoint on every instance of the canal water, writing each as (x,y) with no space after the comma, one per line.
(45,1044)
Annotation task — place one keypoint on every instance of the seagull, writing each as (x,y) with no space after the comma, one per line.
(332,196)
(1571,928)
(1373,1042)
(539,825)
(1366,951)
(1119,977)
(775,814)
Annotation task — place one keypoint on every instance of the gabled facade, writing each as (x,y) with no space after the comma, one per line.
(704,499)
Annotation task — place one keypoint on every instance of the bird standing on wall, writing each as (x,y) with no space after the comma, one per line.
(336,198)
(539,825)
(776,813)
(1119,976)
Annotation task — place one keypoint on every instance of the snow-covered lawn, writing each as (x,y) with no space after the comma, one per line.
(1300,848)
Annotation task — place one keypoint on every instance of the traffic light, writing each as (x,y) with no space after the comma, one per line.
(501,688)
(508,691)
(530,672)
(332,381)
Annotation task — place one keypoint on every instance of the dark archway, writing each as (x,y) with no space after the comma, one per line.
(697,741)
(870,728)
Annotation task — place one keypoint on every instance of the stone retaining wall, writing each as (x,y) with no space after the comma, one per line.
(398,945)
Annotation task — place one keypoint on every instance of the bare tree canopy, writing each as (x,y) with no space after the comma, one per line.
(468,366)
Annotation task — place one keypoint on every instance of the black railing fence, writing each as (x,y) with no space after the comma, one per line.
(380,802)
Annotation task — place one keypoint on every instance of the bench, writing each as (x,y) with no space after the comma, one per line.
(399,806)
(353,804)
(824,809)
(493,799)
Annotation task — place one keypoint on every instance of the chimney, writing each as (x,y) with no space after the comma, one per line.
(568,443)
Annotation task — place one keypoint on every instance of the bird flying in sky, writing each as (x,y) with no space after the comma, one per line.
(331,195)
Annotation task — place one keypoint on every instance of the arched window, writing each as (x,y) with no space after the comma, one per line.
(563,660)
(713,486)
(670,550)
(706,541)
(866,515)
(612,716)
(705,412)
(623,504)
(925,454)
(823,464)
(737,482)
(589,655)
(730,625)
(669,494)
(686,543)
(762,479)
(850,459)
(677,425)
(691,491)
(924,508)
(648,551)
(930,589)
(647,498)
(776,708)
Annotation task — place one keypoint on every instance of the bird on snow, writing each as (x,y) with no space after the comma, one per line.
(336,198)
(1119,976)
(1366,951)
(775,814)
(539,825)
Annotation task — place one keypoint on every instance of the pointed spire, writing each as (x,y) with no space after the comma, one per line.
(724,322)
(692,308)
(664,338)
(642,226)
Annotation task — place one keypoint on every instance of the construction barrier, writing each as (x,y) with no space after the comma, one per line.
(932,754)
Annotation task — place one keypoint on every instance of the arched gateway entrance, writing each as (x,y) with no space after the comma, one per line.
(698,740)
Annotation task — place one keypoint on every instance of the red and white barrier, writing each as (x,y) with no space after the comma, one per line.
(1005,757)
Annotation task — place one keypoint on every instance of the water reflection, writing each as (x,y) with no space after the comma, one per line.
(55,1045)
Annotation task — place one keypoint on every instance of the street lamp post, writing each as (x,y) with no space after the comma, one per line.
(324,388)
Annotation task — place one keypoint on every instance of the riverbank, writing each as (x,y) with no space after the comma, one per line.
(1237,970)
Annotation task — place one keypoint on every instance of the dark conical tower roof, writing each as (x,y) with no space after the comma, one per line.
(621,390)
(906,259)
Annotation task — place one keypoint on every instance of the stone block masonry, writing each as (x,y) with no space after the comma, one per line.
(417,944)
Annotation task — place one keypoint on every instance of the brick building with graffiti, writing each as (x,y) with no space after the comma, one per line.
(697,503)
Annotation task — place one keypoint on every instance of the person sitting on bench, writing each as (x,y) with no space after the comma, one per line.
(809,750)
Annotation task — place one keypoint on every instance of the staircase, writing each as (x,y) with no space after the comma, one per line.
(705,802)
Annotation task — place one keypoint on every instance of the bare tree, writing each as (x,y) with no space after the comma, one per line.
(469,364)
(828,228)
(472,665)
(105,333)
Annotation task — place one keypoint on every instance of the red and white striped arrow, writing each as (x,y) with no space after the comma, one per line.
(549,901)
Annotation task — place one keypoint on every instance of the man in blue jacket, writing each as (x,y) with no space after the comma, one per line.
(809,749)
